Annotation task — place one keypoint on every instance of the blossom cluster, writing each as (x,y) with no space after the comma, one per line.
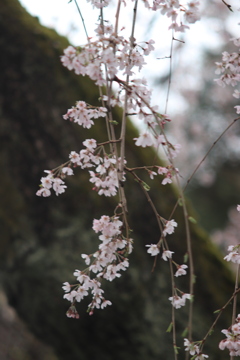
(51,182)
(232,341)
(194,350)
(173,10)
(230,70)
(106,263)
(82,114)
(103,58)
(104,178)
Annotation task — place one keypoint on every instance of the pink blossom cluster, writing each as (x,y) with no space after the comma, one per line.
(232,341)
(104,177)
(99,3)
(194,350)
(82,114)
(51,182)
(230,70)
(168,172)
(105,263)
(106,56)
(146,139)
(174,10)
(234,255)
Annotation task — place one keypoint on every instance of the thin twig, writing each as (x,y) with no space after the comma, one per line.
(206,155)
(82,18)
(170,73)
(228,6)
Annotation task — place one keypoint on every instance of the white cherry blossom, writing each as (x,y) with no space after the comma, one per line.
(153,249)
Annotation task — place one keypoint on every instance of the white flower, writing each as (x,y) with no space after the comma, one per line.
(201,356)
(167,180)
(67,171)
(152,174)
(167,255)
(236,94)
(233,256)
(91,144)
(47,182)
(153,249)
(58,186)
(191,347)
(86,258)
(169,227)
(181,270)
(66,287)
(178,301)
(144,140)
(162,170)
(43,192)
(105,303)
(81,292)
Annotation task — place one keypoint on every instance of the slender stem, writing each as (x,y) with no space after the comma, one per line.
(147,196)
(235,298)
(219,314)
(170,72)
(117,17)
(206,155)
(82,18)
(124,117)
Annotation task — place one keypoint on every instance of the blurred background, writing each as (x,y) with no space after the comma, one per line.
(42,239)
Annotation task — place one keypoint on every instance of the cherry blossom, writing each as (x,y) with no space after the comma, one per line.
(230,69)
(178,301)
(190,346)
(153,249)
(233,255)
(232,341)
(169,227)
(194,350)
(167,254)
(181,270)
(106,263)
